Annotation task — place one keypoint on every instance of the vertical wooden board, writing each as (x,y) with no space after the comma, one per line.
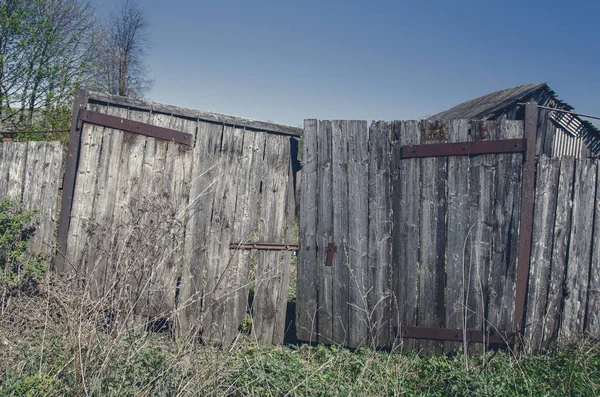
(244,225)
(5,159)
(458,229)
(202,190)
(83,198)
(358,220)
(340,266)
(578,262)
(406,208)
(592,324)
(102,214)
(281,320)
(432,239)
(172,200)
(307,278)
(32,189)
(271,271)
(324,232)
(546,191)
(49,193)
(505,234)
(482,171)
(380,229)
(219,278)
(560,248)
(16,171)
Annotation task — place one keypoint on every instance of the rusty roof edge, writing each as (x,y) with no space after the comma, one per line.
(156,107)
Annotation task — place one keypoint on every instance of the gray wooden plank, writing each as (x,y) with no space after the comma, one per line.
(358,220)
(83,198)
(457,233)
(219,280)
(406,208)
(271,271)
(202,190)
(481,219)
(290,236)
(5,159)
(16,172)
(592,324)
(579,257)
(50,205)
(380,229)
(432,240)
(32,189)
(244,226)
(306,303)
(340,231)
(104,200)
(195,114)
(546,192)
(505,234)
(560,249)
(324,231)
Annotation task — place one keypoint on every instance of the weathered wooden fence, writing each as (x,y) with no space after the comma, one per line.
(30,173)
(159,196)
(402,250)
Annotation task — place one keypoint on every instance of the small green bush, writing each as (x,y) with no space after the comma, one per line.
(19,269)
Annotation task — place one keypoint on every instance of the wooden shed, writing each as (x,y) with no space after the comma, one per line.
(559,133)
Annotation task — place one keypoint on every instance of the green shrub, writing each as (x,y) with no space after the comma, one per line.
(19,269)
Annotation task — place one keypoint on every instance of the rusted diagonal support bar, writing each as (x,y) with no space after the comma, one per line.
(465,148)
(136,127)
(526,221)
(264,246)
(453,335)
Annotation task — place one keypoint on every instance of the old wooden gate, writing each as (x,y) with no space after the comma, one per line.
(409,232)
(157,201)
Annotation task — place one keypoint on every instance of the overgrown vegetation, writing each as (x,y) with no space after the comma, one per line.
(20,270)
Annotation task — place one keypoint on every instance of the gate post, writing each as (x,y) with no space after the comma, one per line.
(526,221)
(68,185)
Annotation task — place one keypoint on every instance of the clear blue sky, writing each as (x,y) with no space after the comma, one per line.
(285,61)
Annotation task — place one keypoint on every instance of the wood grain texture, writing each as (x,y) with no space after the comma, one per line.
(220,278)
(199,212)
(432,239)
(272,272)
(340,231)
(307,277)
(592,324)
(406,226)
(324,231)
(458,229)
(32,187)
(16,172)
(380,229)
(194,114)
(481,219)
(541,251)
(577,275)
(560,248)
(505,234)
(358,220)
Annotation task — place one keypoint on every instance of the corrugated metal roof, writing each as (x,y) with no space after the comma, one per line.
(493,105)
(488,106)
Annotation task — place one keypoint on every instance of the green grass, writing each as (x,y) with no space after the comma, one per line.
(151,364)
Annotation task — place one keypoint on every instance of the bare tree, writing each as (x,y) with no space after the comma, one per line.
(45,47)
(121,69)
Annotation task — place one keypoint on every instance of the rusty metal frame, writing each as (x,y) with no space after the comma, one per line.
(465,148)
(68,185)
(527,146)
(264,246)
(526,219)
(457,335)
(135,127)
